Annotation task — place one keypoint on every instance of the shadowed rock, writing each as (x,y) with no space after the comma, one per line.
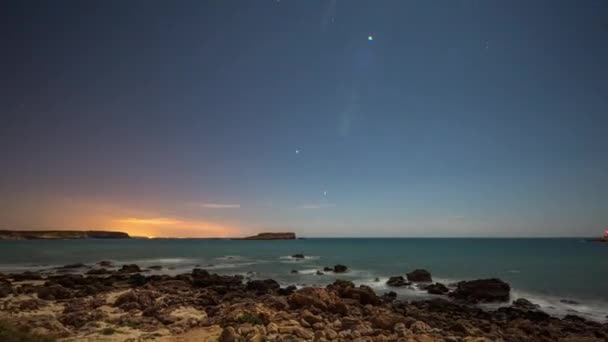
(419,276)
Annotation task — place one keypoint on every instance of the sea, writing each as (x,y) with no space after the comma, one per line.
(562,275)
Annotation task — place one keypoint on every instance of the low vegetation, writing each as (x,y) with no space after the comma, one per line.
(11,334)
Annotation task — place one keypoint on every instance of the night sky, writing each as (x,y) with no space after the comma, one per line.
(327,118)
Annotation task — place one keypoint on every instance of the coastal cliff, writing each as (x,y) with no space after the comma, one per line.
(272,236)
(60,234)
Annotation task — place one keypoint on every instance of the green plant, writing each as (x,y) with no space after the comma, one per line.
(108,331)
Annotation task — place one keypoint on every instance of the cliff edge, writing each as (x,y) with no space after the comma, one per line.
(60,234)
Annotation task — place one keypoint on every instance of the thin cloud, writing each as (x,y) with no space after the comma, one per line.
(316,206)
(220,205)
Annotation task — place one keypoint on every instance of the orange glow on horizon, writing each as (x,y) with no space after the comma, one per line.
(171,227)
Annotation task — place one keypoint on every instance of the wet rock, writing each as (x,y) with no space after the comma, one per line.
(523,303)
(419,276)
(569,302)
(156,267)
(319,273)
(131,268)
(73,266)
(298,256)
(27,275)
(437,288)
(328,269)
(482,290)
(389,296)
(294,272)
(286,291)
(263,286)
(397,281)
(98,271)
(340,268)
(105,263)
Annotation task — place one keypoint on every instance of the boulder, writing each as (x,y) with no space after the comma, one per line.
(54,292)
(133,299)
(482,290)
(319,273)
(522,303)
(132,268)
(328,269)
(310,297)
(340,268)
(263,286)
(298,256)
(286,291)
(419,276)
(437,289)
(397,281)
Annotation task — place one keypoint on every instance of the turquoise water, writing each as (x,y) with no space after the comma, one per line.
(544,270)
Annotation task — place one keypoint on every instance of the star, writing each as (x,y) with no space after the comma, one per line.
(297,151)
(370,38)
(324,193)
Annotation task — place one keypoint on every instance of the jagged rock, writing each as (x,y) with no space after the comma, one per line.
(263,286)
(419,276)
(99,271)
(397,281)
(27,275)
(437,288)
(135,300)
(523,303)
(54,292)
(132,268)
(314,297)
(482,290)
(340,268)
(286,291)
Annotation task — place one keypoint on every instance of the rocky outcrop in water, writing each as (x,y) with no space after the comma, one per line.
(419,276)
(482,291)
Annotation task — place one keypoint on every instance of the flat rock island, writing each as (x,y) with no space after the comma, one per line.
(272,236)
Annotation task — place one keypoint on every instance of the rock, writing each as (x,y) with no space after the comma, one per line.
(437,288)
(327,269)
(132,268)
(397,281)
(27,275)
(294,272)
(5,289)
(229,334)
(72,266)
(420,327)
(98,271)
(54,292)
(105,263)
(569,302)
(419,276)
(309,297)
(133,299)
(298,256)
(389,296)
(156,267)
(137,279)
(319,273)
(287,290)
(263,286)
(482,290)
(340,268)
(523,303)
(386,320)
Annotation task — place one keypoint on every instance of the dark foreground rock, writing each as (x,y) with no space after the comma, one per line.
(482,291)
(340,268)
(437,289)
(397,281)
(201,306)
(419,276)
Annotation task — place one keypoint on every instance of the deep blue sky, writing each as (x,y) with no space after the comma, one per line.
(459,118)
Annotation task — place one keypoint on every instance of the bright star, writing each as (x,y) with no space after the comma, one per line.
(370,38)
(297,151)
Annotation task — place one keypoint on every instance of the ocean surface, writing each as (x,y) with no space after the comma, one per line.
(545,271)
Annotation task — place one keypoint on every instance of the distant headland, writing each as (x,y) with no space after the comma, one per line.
(60,234)
(271,236)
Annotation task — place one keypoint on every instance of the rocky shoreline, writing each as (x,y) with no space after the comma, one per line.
(126,305)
